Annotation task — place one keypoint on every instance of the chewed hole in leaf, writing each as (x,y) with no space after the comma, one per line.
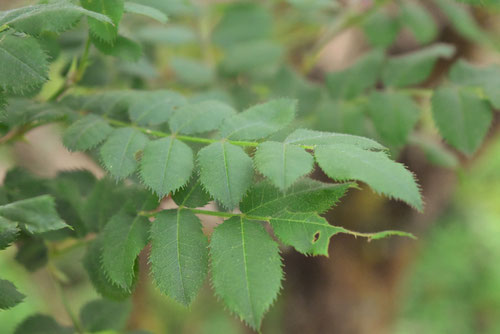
(316,237)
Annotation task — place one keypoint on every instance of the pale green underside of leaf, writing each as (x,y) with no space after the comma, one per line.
(101,315)
(41,324)
(260,120)
(23,63)
(307,195)
(282,163)
(135,8)
(462,117)
(156,107)
(308,233)
(8,233)
(86,133)
(383,175)
(226,172)
(179,254)
(9,295)
(118,153)
(200,117)
(313,138)
(123,238)
(111,8)
(36,215)
(413,68)
(394,116)
(56,16)
(192,195)
(246,268)
(166,165)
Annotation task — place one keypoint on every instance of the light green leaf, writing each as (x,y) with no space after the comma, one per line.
(260,120)
(123,238)
(381,28)
(166,165)
(98,278)
(135,8)
(155,107)
(304,196)
(282,163)
(111,8)
(394,116)
(23,63)
(246,268)
(119,152)
(226,172)
(314,138)
(308,233)
(41,324)
(200,117)
(462,117)
(86,133)
(462,20)
(101,314)
(56,16)
(9,295)
(192,72)
(414,67)
(37,214)
(121,47)
(419,21)
(356,79)
(8,233)
(487,78)
(192,195)
(179,254)
(347,162)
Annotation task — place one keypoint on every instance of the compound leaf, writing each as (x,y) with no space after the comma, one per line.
(246,268)
(166,165)
(282,163)
(226,172)
(347,162)
(9,295)
(179,254)
(86,133)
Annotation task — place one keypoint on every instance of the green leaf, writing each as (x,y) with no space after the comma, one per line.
(24,63)
(179,254)
(200,117)
(135,8)
(192,72)
(462,117)
(414,67)
(394,116)
(9,295)
(101,314)
(282,163)
(314,138)
(86,133)
(487,78)
(381,28)
(246,268)
(226,172)
(123,238)
(98,278)
(356,79)
(166,165)
(260,120)
(308,233)
(111,8)
(347,162)
(304,196)
(41,324)
(261,56)
(119,152)
(8,233)
(121,47)
(56,16)
(192,195)
(156,107)
(462,20)
(36,215)
(419,21)
(22,111)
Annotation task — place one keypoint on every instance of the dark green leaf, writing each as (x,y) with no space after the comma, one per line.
(41,324)
(9,295)
(86,133)
(111,8)
(192,195)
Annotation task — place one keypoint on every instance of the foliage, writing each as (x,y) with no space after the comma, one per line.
(234,124)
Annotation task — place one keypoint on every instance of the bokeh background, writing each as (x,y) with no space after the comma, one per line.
(446,281)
